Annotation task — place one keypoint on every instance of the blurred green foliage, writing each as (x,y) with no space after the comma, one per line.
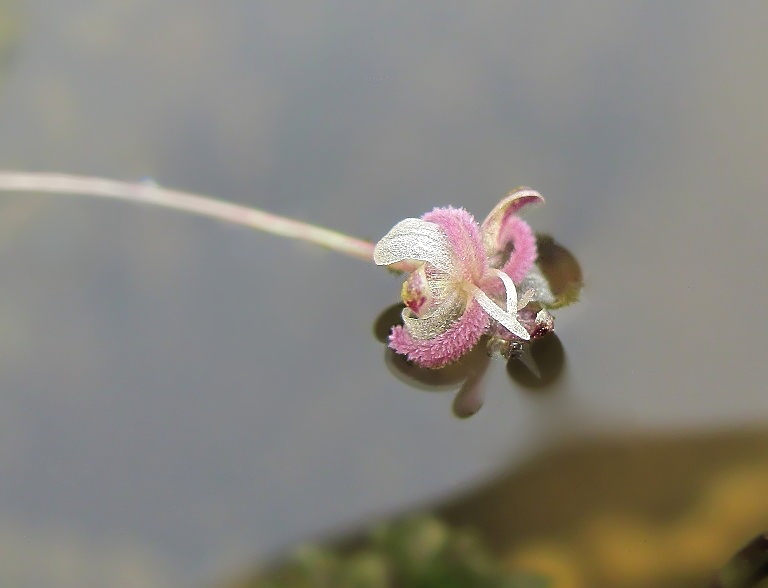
(419,552)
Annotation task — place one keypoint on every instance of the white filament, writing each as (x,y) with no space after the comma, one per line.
(508,317)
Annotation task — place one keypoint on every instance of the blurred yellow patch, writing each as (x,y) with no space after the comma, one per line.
(549,559)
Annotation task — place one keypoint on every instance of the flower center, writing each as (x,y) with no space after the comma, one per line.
(416,292)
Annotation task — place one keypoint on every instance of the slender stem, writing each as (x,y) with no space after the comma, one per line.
(153,194)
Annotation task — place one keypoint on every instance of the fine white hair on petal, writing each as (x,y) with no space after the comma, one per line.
(505,318)
(415,239)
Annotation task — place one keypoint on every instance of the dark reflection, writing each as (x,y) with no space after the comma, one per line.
(468,371)
(470,397)
(386,320)
(748,568)
(539,364)
(561,269)
(424,378)
(536,365)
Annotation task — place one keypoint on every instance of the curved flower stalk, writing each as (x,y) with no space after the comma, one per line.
(463,279)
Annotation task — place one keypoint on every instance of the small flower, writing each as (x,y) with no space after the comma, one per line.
(462,280)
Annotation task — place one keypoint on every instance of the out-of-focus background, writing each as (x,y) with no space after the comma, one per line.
(180,399)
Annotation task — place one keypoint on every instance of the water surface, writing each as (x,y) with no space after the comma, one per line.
(178,396)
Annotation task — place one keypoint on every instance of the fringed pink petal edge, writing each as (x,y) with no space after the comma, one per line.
(524,254)
(465,238)
(447,347)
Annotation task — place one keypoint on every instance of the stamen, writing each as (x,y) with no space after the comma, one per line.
(508,317)
(528,296)
(509,286)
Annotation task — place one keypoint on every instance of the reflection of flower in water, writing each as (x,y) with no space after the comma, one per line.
(534,365)
(464,278)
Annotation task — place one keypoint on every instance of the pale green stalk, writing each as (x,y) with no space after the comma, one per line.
(154,194)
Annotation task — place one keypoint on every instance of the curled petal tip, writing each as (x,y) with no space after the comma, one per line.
(510,205)
(525,192)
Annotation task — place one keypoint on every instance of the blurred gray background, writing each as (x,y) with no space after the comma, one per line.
(179,397)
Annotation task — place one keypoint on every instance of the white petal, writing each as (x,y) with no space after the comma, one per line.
(415,239)
(509,286)
(436,322)
(508,318)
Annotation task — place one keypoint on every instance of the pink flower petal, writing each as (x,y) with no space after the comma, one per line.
(509,206)
(465,238)
(523,256)
(509,240)
(446,347)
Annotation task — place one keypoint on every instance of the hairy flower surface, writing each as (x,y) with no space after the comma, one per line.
(463,278)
